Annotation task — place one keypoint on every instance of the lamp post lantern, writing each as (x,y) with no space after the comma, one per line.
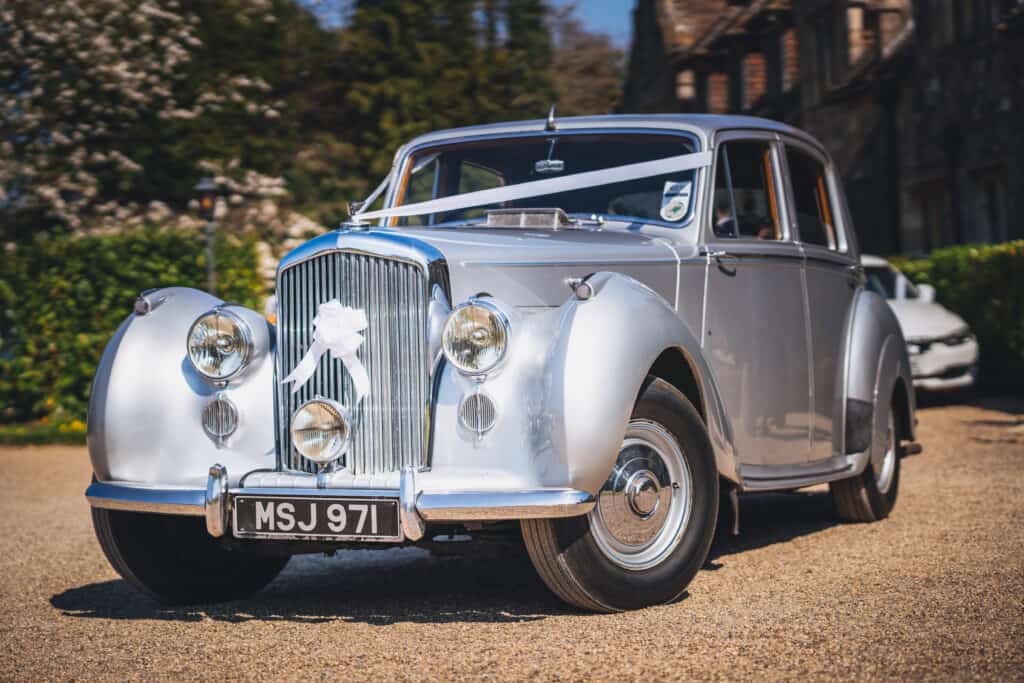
(207,189)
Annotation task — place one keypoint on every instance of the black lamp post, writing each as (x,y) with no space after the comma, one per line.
(207,189)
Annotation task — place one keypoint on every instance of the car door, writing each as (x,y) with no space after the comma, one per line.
(754,332)
(832,274)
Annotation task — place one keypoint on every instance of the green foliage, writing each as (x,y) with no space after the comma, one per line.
(983,284)
(61,298)
(423,65)
(72,432)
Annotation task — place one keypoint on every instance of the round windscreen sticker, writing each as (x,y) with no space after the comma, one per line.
(675,199)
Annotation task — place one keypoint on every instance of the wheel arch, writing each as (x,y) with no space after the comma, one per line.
(675,367)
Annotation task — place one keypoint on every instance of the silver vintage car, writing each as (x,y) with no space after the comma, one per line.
(589,333)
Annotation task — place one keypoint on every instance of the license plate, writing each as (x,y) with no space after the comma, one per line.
(296,517)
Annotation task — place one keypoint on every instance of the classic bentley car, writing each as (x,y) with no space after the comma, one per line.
(586,333)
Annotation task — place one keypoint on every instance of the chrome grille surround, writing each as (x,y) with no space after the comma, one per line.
(392,423)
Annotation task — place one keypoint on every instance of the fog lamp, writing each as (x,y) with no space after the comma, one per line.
(320,430)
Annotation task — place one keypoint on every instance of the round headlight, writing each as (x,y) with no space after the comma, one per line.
(476,337)
(320,430)
(219,344)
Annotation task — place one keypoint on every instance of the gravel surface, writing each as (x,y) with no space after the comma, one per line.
(935,591)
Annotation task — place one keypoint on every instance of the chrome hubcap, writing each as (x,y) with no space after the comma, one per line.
(885,467)
(645,505)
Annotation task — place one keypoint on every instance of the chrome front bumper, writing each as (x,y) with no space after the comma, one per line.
(416,508)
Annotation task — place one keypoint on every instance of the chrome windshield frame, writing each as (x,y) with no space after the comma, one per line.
(404,160)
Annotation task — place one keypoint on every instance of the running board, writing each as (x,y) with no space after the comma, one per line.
(783,477)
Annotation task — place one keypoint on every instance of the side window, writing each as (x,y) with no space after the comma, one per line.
(745,201)
(811,199)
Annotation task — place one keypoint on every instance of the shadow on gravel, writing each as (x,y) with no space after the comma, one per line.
(368,586)
(1012,405)
(770,518)
(382,587)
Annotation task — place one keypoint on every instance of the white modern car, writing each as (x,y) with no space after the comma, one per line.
(943,352)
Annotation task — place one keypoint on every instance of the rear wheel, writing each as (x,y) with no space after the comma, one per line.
(871,495)
(175,560)
(654,520)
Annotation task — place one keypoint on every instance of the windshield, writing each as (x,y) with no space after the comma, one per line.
(888,281)
(448,170)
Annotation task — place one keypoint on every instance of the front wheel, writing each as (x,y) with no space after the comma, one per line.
(654,520)
(174,560)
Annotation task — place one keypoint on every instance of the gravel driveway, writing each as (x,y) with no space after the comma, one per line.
(935,591)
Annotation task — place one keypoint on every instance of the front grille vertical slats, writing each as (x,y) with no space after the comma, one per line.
(390,424)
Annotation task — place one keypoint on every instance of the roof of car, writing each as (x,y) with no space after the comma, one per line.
(872,261)
(704,125)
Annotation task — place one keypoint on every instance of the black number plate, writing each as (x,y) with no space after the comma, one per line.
(320,518)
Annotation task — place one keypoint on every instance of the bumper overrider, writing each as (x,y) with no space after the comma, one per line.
(416,507)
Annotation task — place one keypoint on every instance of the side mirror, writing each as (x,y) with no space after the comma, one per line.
(926,293)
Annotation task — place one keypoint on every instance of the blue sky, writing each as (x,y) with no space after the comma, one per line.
(614,17)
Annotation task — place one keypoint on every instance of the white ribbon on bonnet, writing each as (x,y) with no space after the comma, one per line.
(336,329)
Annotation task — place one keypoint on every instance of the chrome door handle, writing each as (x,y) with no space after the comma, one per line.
(714,253)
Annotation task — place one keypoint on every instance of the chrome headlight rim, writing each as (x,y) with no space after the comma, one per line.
(247,350)
(344,418)
(503,322)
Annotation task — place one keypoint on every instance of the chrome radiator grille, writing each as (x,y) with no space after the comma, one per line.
(391,424)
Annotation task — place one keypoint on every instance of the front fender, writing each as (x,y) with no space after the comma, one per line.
(567,389)
(144,409)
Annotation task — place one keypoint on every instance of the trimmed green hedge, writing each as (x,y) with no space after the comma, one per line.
(983,284)
(61,298)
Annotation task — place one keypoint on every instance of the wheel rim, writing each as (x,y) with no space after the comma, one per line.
(885,468)
(644,507)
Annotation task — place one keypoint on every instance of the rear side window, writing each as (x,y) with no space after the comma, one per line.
(745,200)
(811,198)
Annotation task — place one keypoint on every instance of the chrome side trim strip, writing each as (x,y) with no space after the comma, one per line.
(136,498)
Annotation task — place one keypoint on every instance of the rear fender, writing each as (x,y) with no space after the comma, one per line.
(876,362)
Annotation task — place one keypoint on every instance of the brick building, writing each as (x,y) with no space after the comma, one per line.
(920,102)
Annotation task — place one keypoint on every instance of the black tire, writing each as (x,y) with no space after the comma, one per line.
(860,499)
(568,554)
(174,560)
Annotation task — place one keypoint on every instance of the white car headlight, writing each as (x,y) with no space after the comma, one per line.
(475,337)
(320,430)
(219,344)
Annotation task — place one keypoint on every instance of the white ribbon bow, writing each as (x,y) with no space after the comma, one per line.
(336,329)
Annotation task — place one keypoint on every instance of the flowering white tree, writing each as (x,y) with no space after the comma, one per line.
(80,78)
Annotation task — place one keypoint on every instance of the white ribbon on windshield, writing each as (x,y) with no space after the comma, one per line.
(336,329)
(539,188)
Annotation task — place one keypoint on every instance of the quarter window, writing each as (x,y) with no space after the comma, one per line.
(811,199)
(746,204)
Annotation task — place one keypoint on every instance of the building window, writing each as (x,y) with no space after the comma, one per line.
(942,31)
(988,193)
(686,85)
(890,26)
(927,225)
(755,79)
(858,39)
(718,93)
(824,46)
(790,60)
